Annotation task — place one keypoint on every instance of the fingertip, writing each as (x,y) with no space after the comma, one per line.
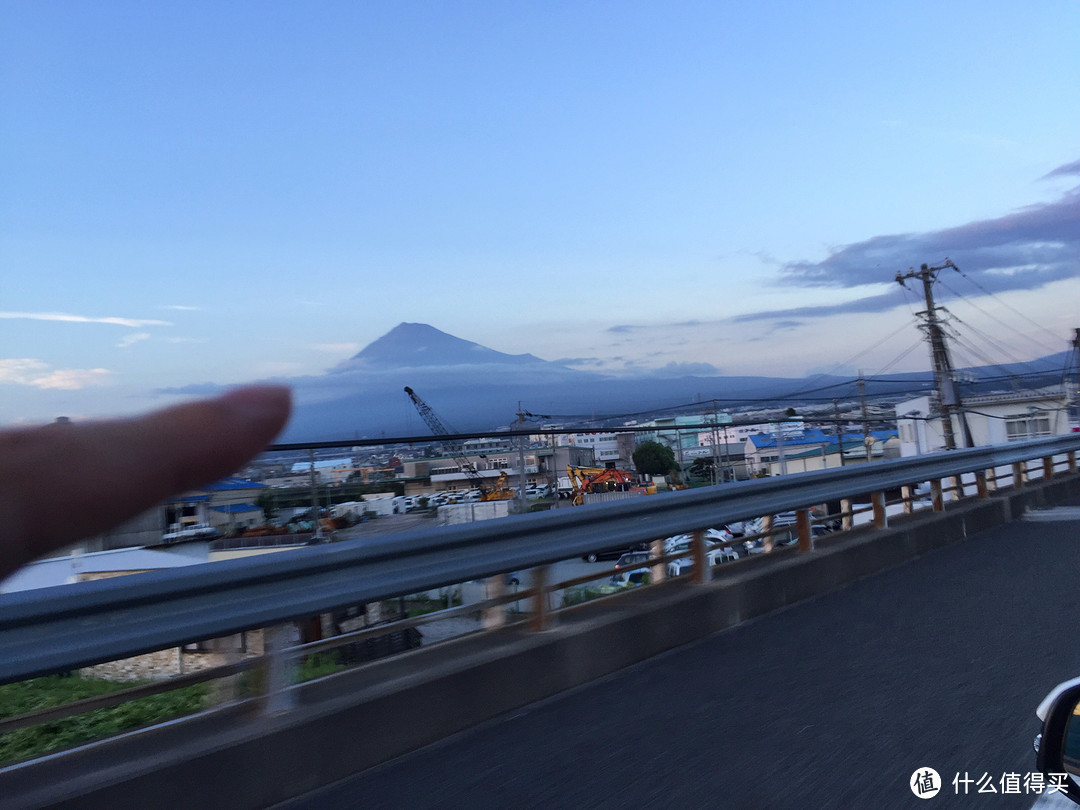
(264,408)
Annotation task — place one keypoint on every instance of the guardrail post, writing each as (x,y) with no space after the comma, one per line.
(991,479)
(1048,468)
(906,496)
(279,669)
(1072,461)
(881,519)
(492,617)
(766,529)
(539,620)
(937,499)
(846,519)
(980,484)
(956,482)
(802,525)
(702,569)
(1019,472)
(657,571)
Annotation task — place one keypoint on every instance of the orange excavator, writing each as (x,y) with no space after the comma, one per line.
(601,479)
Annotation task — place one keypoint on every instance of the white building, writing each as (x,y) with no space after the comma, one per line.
(605,446)
(733,434)
(992,419)
(327,471)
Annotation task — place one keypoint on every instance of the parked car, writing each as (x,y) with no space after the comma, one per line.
(631,570)
(677,542)
(721,537)
(632,558)
(713,556)
(614,552)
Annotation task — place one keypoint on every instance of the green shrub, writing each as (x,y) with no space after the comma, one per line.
(316,665)
(43,693)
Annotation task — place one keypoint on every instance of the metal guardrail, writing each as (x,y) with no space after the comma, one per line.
(71,626)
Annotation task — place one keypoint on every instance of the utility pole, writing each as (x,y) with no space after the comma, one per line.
(1074,400)
(780,448)
(318,537)
(715,448)
(727,458)
(839,429)
(865,416)
(521,456)
(944,375)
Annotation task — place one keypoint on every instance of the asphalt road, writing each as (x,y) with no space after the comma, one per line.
(836,702)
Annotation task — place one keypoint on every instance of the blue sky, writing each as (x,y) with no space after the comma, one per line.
(223,192)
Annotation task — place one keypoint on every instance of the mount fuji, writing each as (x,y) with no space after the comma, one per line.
(475,388)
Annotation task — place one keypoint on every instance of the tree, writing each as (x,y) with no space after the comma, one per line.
(268,503)
(702,468)
(654,458)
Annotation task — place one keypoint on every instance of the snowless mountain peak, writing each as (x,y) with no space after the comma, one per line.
(418,344)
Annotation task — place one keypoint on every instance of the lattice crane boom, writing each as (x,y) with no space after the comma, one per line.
(452,447)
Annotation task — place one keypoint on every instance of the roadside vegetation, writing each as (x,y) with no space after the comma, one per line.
(55,690)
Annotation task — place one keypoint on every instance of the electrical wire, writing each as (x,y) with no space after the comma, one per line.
(854,357)
(1041,346)
(917,344)
(1004,304)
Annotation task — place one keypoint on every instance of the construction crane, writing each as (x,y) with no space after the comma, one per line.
(454,449)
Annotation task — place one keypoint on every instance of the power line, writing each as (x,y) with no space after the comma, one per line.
(917,344)
(1007,306)
(1000,322)
(890,336)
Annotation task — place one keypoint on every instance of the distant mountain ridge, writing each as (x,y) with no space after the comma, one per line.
(413,345)
(477,389)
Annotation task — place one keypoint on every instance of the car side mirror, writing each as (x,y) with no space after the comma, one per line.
(1057,748)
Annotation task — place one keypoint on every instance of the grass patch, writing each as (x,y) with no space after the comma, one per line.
(421,606)
(55,690)
(577,596)
(317,665)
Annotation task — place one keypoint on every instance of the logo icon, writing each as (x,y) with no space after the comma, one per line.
(925,783)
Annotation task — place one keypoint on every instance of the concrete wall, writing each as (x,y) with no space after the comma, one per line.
(453,513)
(355,719)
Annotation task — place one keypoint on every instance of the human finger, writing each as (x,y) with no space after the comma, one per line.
(63,482)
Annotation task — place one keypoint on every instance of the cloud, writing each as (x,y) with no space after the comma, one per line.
(789,317)
(194,389)
(72,379)
(36,373)
(68,318)
(579,361)
(1068,170)
(132,339)
(20,371)
(624,328)
(674,369)
(181,308)
(1024,250)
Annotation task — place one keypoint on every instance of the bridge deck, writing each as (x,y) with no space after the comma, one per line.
(832,703)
